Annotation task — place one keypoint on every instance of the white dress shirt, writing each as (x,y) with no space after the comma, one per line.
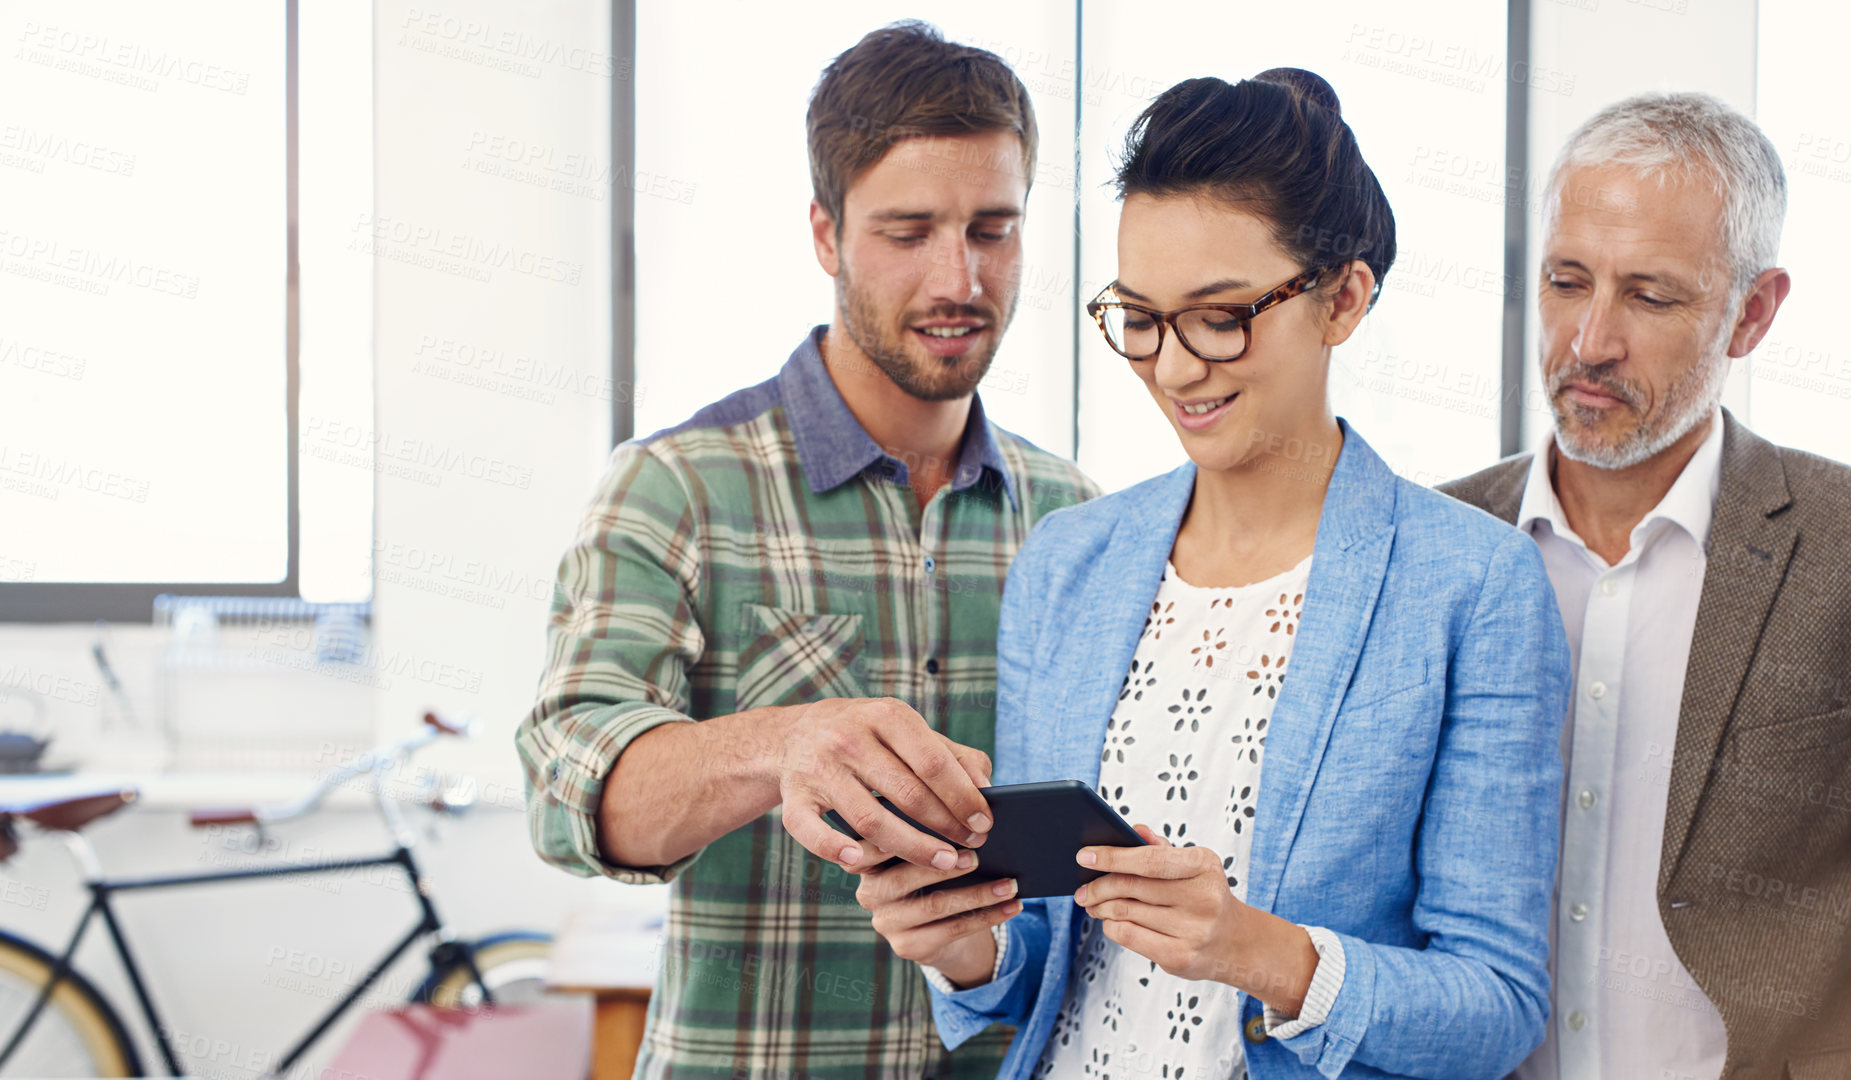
(1624,1007)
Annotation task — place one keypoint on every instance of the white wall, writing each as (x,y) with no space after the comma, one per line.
(492,254)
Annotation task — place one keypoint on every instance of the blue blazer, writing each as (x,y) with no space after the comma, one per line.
(1411,789)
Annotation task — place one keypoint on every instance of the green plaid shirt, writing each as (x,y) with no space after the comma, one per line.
(769,552)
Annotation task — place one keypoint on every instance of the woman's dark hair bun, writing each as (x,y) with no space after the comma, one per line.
(1309,86)
(1275,145)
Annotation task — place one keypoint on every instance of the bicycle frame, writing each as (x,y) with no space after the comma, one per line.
(101,892)
(447,949)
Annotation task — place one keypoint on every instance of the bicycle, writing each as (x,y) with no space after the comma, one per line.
(55,1022)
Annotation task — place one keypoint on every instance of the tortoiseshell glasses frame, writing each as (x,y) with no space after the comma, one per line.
(1116,320)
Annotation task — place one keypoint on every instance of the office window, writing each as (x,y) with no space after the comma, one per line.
(1799,378)
(144,359)
(142,222)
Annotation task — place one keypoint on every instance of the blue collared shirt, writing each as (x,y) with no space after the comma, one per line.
(834,447)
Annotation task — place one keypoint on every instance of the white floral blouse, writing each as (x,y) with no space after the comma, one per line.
(1183,752)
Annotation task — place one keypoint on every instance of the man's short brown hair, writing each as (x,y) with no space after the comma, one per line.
(904,81)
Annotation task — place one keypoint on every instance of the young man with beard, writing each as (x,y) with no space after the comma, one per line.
(1704,576)
(791,599)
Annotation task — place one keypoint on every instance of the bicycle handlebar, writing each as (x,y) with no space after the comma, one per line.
(446,726)
(377,760)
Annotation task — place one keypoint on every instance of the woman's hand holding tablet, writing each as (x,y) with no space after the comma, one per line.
(1172,906)
(942,918)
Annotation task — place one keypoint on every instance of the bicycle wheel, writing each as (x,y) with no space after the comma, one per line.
(77,1034)
(513,964)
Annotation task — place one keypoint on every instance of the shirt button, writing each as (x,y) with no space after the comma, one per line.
(1256,1030)
(552,772)
(1585,800)
(1608,587)
(1578,912)
(932,666)
(931,564)
(1577,1020)
(1597,690)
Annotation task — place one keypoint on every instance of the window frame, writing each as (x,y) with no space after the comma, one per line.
(133,601)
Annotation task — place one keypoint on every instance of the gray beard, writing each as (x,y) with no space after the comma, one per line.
(1688,401)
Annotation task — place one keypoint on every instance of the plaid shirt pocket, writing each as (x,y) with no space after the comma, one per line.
(790,657)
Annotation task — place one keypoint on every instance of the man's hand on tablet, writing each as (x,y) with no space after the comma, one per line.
(833,752)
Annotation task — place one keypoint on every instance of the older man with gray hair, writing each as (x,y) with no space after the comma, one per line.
(1704,577)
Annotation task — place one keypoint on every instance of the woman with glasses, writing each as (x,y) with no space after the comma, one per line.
(1330,698)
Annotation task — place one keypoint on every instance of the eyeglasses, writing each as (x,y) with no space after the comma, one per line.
(1217,333)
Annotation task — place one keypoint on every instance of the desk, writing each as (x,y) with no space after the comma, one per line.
(612,955)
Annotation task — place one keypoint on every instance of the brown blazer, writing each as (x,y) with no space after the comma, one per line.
(1754,880)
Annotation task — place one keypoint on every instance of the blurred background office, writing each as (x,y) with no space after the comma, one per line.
(318,319)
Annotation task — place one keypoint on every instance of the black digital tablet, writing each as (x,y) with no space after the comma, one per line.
(1037,830)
